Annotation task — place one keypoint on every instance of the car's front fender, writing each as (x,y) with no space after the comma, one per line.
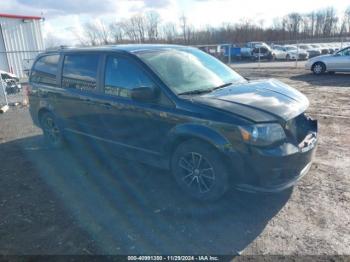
(202,132)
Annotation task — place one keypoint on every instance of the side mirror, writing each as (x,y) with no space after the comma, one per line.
(145,94)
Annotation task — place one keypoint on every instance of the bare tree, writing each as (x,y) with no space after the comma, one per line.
(95,33)
(139,26)
(184,28)
(152,25)
(117,32)
(148,27)
(169,32)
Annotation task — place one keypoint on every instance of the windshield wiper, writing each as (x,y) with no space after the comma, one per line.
(195,92)
(202,91)
(221,86)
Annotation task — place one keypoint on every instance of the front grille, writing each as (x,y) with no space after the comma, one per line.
(298,127)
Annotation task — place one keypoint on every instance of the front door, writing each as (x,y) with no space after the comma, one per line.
(138,128)
(341,61)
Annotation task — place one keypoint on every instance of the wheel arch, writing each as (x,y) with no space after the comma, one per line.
(186,132)
(41,111)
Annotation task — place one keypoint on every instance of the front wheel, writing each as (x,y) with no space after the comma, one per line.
(318,68)
(51,130)
(199,170)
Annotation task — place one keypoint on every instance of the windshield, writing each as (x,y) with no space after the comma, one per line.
(188,70)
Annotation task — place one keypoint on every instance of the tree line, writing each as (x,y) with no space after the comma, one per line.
(149,28)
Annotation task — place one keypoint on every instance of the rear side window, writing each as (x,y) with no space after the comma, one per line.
(80,71)
(122,75)
(45,70)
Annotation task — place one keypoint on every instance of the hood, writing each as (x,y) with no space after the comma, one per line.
(259,101)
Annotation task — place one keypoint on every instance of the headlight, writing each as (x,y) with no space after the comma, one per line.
(262,134)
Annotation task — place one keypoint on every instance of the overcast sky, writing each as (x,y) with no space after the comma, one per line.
(64,16)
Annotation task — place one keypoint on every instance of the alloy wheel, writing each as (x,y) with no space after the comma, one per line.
(197,172)
(51,130)
(318,69)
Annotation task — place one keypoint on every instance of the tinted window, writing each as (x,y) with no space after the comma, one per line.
(344,52)
(80,71)
(45,70)
(123,75)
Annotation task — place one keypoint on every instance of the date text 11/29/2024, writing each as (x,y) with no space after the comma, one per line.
(174,258)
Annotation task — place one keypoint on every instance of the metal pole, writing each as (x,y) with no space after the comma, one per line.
(229,54)
(259,56)
(296,59)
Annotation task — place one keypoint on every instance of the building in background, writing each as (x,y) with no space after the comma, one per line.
(21,39)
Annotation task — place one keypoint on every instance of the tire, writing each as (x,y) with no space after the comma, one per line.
(199,170)
(318,68)
(52,132)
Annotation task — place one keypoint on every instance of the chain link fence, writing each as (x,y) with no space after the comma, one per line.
(237,52)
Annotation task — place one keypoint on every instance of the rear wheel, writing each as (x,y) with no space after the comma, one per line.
(199,170)
(51,130)
(318,68)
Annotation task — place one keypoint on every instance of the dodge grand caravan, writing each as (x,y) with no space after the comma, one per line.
(177,108)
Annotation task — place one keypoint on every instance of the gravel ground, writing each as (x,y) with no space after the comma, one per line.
(79,201)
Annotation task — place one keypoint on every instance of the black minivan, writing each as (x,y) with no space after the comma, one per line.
(177,108)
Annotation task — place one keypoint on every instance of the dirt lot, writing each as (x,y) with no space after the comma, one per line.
(78,201)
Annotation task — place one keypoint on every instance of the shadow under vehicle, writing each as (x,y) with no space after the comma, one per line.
(79,199)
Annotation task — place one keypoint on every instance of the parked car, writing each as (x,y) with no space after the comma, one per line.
(262,52)
(11,82)
(323,50)
(310,50)
(280,53)
(294,53)
(251,50)
(338,62)
(177,108)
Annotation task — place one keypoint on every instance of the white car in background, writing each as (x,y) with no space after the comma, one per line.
(279,53)
(293,53)
(310,50)
(338,62)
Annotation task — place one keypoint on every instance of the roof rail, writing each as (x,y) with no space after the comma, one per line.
(56,48)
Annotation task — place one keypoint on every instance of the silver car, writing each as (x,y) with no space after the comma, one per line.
(338,62)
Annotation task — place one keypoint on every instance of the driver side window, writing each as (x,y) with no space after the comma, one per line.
(122,75)
(345,52)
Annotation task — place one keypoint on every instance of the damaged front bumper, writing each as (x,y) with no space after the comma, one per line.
(276,169)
